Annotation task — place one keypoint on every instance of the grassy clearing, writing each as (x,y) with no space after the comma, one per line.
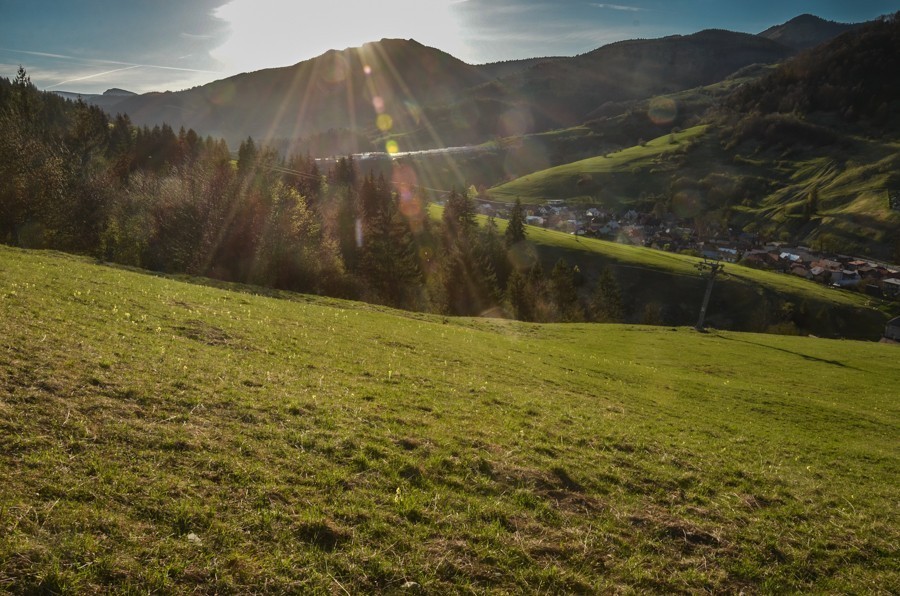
(744,298)
(159,435)
(569,181)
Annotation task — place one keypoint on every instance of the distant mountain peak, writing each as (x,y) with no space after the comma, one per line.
(805,31)
(116,92)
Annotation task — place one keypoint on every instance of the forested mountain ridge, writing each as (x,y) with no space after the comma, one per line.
(805,31)
(805,151)
(436,100)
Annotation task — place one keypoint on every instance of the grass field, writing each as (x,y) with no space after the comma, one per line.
(164,436)
(570,181)
(741,299)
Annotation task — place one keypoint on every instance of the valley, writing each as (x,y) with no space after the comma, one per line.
(384,320)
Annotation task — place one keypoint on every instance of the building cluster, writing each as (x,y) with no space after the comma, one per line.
(674,235)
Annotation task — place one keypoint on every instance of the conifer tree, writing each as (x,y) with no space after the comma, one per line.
(565,294)
(515,229)
(607,302)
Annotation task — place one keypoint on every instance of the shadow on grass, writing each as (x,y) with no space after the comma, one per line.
(804,356)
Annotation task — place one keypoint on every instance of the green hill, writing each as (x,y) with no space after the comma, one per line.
(157,435)
(670,287)
(613,178)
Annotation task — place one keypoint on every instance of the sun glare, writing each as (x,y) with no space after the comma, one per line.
(269,33)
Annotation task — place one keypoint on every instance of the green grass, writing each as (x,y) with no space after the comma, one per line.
(744,299)
(568,181)
(158,435)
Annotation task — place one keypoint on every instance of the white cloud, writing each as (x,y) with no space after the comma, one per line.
(621,7)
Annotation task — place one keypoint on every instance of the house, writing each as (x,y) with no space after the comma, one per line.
(868,272)
(829,265)
(820,274)
(873,290)
(844,278)
(891,288)
(534,220)
(892,329)
(800,270)
(760,258)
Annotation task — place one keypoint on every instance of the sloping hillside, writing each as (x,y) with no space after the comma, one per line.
(165,436)
(805,31)
(435,100)
(339,89)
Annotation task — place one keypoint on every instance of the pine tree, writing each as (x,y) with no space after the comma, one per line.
(519,297)
(459,217)
(564,293)
(607,303)
(515,229)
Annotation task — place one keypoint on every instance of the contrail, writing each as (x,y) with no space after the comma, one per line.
(99,61)
(99,74)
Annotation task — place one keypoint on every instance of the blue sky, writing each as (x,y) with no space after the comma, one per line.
(88,46)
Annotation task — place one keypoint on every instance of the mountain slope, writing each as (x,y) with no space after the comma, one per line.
(178,438)
(805,31)
(434,99)
(330,91)
(824,123)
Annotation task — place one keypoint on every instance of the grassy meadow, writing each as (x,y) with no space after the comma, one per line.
(616,173)
(171,436)
(743,299)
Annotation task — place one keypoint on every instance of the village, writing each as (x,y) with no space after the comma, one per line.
(880,280)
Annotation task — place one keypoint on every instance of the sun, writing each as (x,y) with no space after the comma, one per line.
(271,33)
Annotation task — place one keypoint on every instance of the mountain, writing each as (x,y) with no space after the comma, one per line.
(569,90)
(844,76)
(339,89)
(434,99)
(805,151)
(805,31)
(108,100)
(498,70)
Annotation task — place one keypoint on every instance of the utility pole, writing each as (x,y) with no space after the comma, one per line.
(713,267)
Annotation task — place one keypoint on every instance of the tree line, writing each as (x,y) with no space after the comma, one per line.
(74,179)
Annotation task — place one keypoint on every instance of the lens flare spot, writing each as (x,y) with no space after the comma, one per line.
(378,104)
(223,93)
(522,255)
(414,110)
(367,69)
(404,179)
(411,207)
(686,203)
(525,158)
(336,71)
(384,122)
(392,147)
(515,122)
(662,110)
(359,233)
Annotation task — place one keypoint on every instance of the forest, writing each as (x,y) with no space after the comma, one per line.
(74,179)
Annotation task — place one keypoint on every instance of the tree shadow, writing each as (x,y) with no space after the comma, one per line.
(804,356)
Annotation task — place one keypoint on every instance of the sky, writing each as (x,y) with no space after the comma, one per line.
(88,46)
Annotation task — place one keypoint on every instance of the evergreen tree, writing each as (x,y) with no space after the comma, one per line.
(565,295)
(459,217)
(515,229)
(519,297)
(607,302)
(247,154)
